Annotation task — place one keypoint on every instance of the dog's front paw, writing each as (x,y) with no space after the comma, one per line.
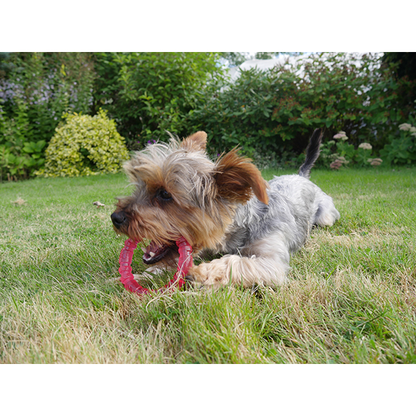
(211,274)
(158,271)
(149,273)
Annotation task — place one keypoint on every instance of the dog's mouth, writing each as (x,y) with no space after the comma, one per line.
(155,253)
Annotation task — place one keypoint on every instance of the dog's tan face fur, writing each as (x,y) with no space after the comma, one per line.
(179,191)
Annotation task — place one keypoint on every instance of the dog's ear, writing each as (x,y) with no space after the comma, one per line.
(237,178)
(196,142)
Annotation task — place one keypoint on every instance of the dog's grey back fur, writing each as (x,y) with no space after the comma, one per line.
(295,205)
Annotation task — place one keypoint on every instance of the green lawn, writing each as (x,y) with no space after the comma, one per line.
(352,297)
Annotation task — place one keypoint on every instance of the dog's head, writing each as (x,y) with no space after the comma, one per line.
(179,191)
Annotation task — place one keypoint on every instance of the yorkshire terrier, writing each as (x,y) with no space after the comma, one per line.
(222,207)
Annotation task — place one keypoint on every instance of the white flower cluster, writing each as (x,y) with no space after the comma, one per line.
(405,126)
(408,127)
(341,135)
(375,162)
(336,164)
(365,146)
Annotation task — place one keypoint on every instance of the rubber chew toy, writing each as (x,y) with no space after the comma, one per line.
(184,264)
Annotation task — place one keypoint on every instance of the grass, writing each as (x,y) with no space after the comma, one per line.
(352,296)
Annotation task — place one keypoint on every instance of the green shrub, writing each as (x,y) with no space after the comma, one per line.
(85,145)
(277,110)
(35,90)
(149,93)
(402,150)
(47,85)
(19,156)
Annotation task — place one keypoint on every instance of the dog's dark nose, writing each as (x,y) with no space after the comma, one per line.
(119,218)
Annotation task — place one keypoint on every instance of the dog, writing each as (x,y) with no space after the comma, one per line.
(222,207)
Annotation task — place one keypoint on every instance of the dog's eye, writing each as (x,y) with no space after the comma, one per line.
(164,195)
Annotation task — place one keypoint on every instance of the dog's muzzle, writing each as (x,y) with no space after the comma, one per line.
(119,219)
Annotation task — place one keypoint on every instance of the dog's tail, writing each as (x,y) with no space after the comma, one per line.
(312,153)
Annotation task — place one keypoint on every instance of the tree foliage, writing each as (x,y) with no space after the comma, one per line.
(406,63)
(35,90)
(146,94)
(277,109)
(149,93)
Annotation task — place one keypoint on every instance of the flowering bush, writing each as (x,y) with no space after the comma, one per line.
(402,150)
(85,145)
(363,154)
(341,153)
(276,110)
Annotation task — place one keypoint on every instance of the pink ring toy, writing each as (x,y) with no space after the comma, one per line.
(184,264)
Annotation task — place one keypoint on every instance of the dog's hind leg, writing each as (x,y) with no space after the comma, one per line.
(327,214)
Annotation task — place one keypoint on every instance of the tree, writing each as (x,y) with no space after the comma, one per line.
(404,70)
(5,65)
(148,93)
(406,63)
